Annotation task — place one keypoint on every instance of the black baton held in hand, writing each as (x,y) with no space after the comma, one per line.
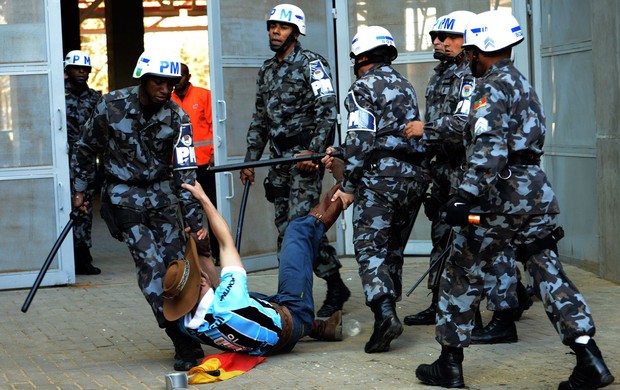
(73,216)
(273,161)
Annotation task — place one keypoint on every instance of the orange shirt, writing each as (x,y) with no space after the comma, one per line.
(197,104)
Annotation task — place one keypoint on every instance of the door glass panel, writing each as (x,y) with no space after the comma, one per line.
(23,31)
(25,136)
(25,240)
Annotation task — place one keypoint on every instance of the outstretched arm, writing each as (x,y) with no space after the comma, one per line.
(228,252)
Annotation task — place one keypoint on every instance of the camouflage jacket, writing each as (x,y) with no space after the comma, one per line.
(436,91)
(380,104)
(445,132)
(294,97)
(507,125)
(137,155)
(79,107)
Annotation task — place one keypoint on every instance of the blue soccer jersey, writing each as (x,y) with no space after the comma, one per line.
(229,319)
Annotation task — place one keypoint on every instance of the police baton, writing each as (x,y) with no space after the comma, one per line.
(473,219)
(244,201)
(273,161)
(46,264)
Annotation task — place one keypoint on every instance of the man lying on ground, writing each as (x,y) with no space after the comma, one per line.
(227,316)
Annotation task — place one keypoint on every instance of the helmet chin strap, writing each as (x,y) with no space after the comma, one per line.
(457,58)
(440,56)
(473,64)
(279,49)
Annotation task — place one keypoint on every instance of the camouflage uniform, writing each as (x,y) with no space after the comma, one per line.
(437,92)
(140,186)
(444,137)
(507,187)
(295,112)
(386,172)
(79,108)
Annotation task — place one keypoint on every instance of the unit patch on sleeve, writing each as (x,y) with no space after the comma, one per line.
(320,81)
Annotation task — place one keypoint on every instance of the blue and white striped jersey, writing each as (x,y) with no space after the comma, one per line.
(230,320)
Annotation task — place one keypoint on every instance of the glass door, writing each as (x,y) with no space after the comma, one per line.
(34,170)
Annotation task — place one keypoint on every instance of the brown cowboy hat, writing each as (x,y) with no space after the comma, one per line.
(182,284)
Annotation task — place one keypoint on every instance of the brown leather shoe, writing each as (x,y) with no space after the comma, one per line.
(327,211)
(329,329)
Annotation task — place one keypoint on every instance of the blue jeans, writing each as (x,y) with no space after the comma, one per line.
(299,248)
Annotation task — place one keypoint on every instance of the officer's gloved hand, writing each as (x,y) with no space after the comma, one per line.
(457,211)
(432,206)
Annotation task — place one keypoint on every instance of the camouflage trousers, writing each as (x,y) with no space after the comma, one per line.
(384,211)
(83,225)
(475,250)
(440,231)
(153,244)
(297,193)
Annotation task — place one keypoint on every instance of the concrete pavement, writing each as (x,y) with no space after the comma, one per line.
(100,334)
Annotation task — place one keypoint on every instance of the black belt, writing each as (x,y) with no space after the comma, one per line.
(524,158)
(411,158)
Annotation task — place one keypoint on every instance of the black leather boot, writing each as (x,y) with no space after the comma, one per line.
(447,371)
(501,329)
(186,349)
(590,371)
(84,261)
(426,316)
(337,295)
(387,326)
(525,301)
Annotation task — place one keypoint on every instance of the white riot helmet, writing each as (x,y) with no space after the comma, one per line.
(158,64)
(492,30)
(77,58)
(455,22)
(290,14)
(370,38)
(438,55)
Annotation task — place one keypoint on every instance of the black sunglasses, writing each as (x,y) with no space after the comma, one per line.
(442,36)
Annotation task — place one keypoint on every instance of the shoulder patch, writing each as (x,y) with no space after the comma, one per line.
(467,88)
(319,79)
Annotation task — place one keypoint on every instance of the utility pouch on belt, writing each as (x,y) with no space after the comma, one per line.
(118,218)
(270,190)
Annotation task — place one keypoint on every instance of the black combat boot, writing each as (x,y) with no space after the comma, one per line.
(337,295)
(329,329)
(387,326)
(186,349)
(84,261)
(447,371)
(478,320)
(590,371)
(525,301)
(501,329)
(426,316)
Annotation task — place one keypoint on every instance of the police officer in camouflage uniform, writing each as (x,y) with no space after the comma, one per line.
(518,210)
(385,176)
(80,101)
(295,113)
(437,92)
(146,143)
